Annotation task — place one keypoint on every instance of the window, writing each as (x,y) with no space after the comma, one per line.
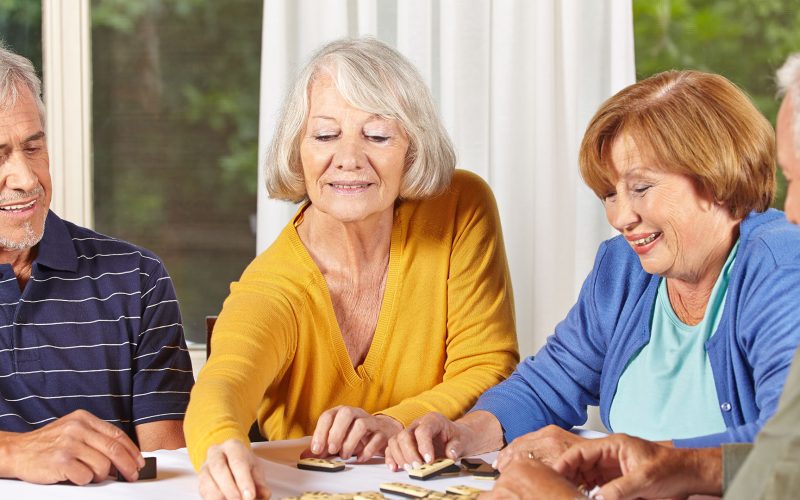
(175,137)
(21,29)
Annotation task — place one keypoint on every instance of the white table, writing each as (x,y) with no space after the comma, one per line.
(177,479)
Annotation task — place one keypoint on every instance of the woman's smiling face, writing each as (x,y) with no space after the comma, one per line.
(353,161)
(676,230)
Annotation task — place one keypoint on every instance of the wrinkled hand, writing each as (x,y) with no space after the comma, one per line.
(526,478)
(428,437)
(347,431)
(78,447)
(233,472)
(629,467)
(546,445)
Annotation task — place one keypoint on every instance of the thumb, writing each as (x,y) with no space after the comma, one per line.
(621,488)
(453,449)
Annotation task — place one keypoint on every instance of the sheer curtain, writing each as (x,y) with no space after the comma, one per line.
(516,83)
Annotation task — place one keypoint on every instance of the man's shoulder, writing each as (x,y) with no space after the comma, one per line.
(90,245)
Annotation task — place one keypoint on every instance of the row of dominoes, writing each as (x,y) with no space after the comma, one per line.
(476,467)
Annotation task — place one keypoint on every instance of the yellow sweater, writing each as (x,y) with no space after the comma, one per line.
(444,335)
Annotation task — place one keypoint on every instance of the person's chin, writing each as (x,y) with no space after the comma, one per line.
(21,238)
(652,266)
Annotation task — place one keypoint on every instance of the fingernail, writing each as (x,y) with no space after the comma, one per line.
(247,495)
(407,467)
(599,497)
(427,458)
(314,447)
(453,452)
(390,467)
(494,464)
(416,464)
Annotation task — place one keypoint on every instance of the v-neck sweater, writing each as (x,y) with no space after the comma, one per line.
(445,331)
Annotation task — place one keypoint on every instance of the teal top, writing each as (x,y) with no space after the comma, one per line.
(667,389)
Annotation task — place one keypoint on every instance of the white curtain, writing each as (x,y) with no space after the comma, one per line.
(516,82)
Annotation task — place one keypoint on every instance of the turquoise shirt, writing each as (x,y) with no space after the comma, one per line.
(667,390)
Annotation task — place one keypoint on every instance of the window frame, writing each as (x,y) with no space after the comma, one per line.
(67,89)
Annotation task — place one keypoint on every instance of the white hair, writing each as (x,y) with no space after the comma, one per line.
(788,77)
(17,73)
(376,78)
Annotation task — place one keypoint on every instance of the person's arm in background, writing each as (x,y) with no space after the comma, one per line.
(771,468)
(160,435)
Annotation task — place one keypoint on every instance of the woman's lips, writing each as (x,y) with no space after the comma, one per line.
(642,243)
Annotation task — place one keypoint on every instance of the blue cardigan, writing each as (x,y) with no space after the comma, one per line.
(750,352)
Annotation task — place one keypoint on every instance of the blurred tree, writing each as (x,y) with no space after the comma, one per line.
(175,132)
(21,29)
(743,40)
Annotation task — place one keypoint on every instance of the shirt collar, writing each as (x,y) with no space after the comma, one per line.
(56,249)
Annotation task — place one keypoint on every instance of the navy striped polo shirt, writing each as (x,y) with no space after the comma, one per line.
(98,328)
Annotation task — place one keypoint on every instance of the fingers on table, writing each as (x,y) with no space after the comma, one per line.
(114,446)
(91,447)
(361,428)
(333,428)
(228,473)
(375,445)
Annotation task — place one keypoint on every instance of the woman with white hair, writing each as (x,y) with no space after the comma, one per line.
(387,296)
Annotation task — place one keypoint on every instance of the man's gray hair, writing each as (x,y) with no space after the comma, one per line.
(375,78)
(16,73)
(788,77)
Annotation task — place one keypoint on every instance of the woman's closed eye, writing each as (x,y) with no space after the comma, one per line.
(640,189)
(325,136)
(376,138)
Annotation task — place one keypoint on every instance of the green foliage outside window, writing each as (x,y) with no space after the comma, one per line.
(743,40)
(21,28)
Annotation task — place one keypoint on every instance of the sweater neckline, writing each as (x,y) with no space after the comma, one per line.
(386,317)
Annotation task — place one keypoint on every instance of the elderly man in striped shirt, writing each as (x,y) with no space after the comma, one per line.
(93,364)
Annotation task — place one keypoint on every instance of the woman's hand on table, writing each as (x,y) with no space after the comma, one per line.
(434,436)
(545,445)
(233,472)
(348,431)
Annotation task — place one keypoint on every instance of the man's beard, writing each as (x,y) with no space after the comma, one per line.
(28,240)
(30,237)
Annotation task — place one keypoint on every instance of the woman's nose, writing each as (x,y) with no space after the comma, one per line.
(622,214)
(349,155)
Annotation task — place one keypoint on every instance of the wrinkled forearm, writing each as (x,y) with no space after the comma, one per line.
(704,468)
(7,460)
(485,432)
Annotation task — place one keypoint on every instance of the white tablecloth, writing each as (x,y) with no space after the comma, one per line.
(177,480)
